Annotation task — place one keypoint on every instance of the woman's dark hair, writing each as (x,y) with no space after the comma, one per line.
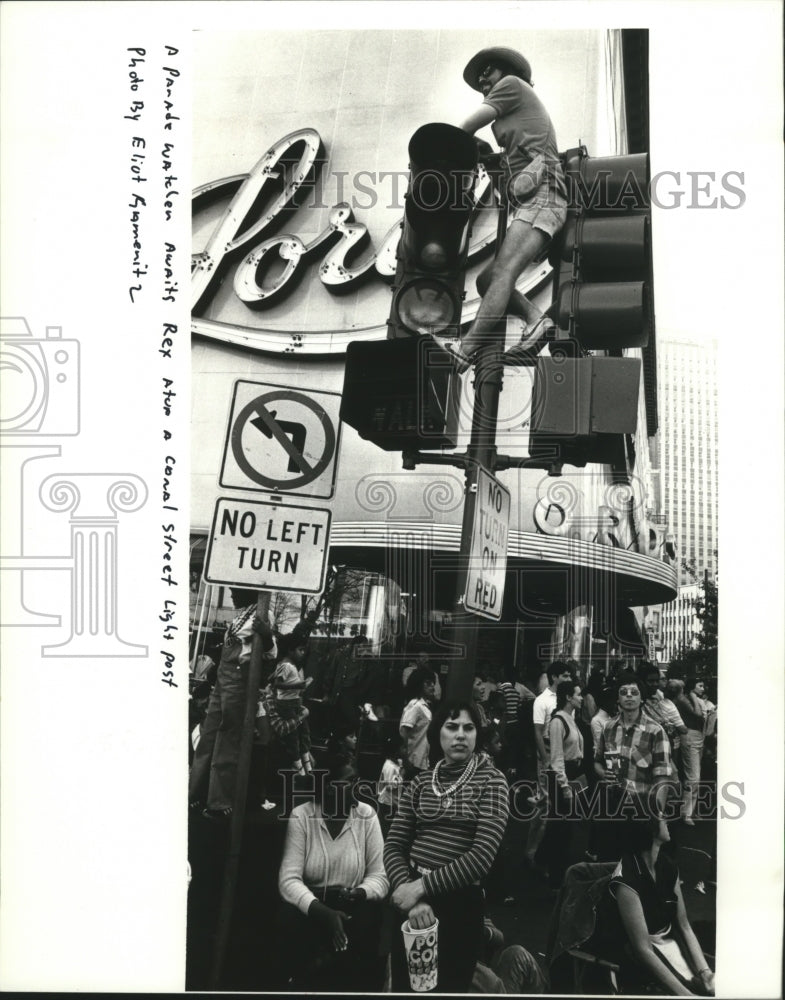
(689,684)
(637,833)
(417,680)
(564,691)
(445,711)
(335,759)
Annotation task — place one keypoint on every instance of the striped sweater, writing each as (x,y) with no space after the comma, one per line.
(455,844)
(512,702)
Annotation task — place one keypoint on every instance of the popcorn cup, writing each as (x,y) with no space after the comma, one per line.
(422,955)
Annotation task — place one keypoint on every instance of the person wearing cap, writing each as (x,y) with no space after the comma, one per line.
(536,192)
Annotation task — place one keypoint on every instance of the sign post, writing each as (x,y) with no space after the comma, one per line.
(231,868)
(279,440)
(480,457)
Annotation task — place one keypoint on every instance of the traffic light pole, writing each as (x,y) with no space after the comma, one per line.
(481,453)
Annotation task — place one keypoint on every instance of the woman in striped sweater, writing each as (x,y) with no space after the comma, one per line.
(442,843)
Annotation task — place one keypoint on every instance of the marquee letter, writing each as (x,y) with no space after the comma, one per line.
(230,235)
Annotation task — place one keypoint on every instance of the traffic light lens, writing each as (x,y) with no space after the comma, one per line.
(612,249)
(426,306)
(606,316)
(434,256)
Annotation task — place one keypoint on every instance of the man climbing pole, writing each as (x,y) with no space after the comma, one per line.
(535,190)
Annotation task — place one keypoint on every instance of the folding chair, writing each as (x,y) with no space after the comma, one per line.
(592,974)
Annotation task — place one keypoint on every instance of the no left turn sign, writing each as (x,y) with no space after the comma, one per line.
(282,440)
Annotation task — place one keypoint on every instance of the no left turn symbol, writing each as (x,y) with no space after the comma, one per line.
(290,435)
(283,440)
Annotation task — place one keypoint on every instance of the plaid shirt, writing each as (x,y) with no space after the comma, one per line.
(644,752)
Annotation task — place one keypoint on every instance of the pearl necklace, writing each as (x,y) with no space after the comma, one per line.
(448,793)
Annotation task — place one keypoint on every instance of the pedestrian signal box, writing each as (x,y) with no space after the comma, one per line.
(401,394)
(582,408)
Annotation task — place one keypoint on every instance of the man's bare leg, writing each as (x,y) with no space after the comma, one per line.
(521,245)
(518,305)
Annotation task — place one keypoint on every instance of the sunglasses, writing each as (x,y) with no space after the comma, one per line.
(485,73)
(626,692)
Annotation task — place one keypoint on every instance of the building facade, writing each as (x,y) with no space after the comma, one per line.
(277,301)
(678,623)
(688,478)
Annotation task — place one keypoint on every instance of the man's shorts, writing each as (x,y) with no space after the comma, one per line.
(546,209)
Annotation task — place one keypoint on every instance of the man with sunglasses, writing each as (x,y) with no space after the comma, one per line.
(633,750)
(633,757)
(536,192)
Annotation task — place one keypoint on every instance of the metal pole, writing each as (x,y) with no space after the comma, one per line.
(480,452)
(232,866)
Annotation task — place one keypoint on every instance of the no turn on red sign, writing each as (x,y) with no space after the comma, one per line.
(488,555)
(268,546)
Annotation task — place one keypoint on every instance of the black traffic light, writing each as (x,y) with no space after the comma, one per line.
(429,280)
(403,392)
(581,409)
(602,258)
(603,301)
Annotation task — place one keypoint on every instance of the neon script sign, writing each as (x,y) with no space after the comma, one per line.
(273,190)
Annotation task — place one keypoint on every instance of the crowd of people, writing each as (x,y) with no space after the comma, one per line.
(417,852)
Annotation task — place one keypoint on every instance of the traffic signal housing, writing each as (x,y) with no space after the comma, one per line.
(581,409)
(404,392)
(429,280)
(604,282)
(583,406)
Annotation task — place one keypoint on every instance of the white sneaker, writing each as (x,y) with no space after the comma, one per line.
(461,361)
(522,352)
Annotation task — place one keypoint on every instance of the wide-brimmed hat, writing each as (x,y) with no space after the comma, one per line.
(509,59)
